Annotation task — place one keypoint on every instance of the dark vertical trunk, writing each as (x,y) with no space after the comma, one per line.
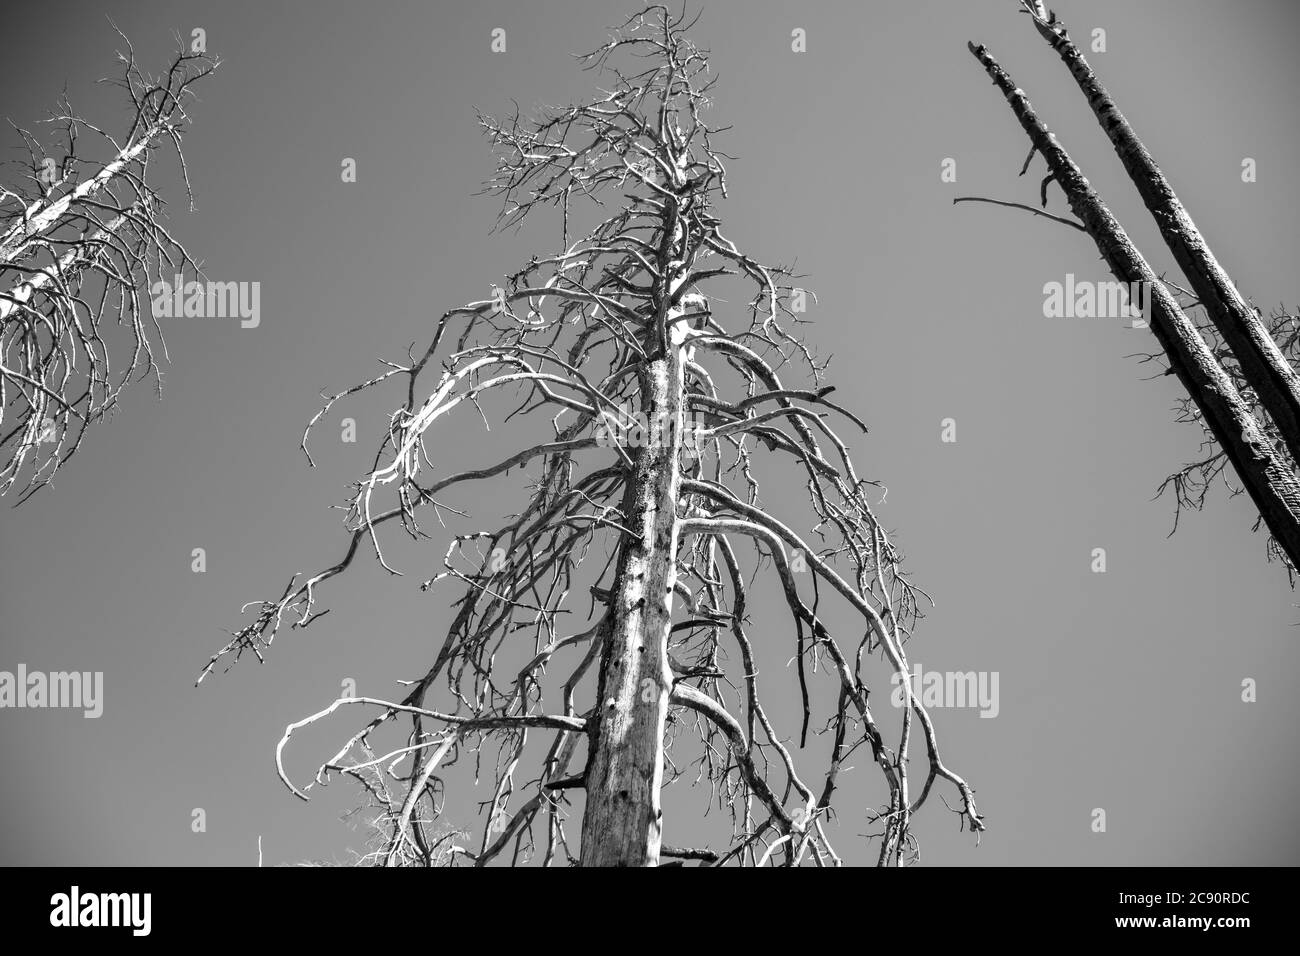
(1267,475)
(1262,362)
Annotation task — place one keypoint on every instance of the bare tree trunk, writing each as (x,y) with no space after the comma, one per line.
(1266,474)
(620,322)
(77,247)
(1262,362)
(622,823)
(69,264)
(40,216)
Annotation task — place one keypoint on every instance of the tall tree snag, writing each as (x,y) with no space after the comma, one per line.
(1265,470)
(603,634)
(1263,365)
(79,240)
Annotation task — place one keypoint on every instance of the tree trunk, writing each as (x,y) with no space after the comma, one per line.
(1262,362)
(15,244)
(1266,474)
(622,823)
(71,263)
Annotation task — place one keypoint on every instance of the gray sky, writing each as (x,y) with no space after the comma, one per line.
(1118,690)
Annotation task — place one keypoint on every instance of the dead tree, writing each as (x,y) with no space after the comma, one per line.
(662,410)
(81,234)
(1238,370)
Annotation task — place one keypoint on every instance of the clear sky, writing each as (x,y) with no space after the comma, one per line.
(1119,690)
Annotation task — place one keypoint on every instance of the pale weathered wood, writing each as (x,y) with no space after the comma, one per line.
(623,822)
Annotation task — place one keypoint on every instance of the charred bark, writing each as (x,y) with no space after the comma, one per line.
(1262,362)
(1265,473)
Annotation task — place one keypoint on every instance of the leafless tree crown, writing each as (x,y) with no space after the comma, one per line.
(643,540)
(81,237)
